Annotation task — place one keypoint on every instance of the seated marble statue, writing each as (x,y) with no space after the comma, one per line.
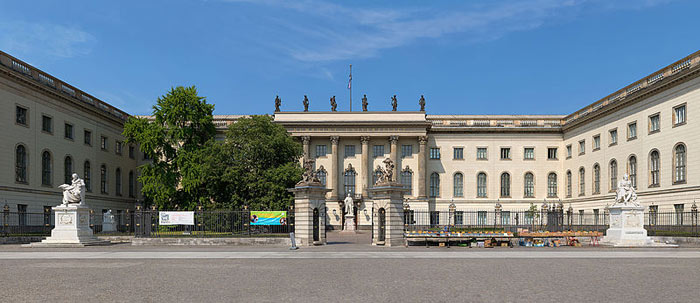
(74,192)
(625,192)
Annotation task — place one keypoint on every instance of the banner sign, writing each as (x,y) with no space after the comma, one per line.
(176,218)
(268,218)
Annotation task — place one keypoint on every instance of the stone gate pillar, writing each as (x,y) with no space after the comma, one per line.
(388,227)
(310,213)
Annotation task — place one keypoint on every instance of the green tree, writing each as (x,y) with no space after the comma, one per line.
(177,139)
(254,166)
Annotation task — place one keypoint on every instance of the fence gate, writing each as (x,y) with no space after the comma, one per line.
(382,224)
(316,225)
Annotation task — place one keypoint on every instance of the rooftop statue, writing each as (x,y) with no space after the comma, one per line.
(421,102)
(73,193)
(278,103)
(625,192)
(394,103)
(364,103)
(333,104)
(306,103)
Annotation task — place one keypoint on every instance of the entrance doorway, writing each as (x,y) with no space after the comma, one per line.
(382,225)
(316,225)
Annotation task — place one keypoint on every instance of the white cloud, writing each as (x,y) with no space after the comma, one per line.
(19,37)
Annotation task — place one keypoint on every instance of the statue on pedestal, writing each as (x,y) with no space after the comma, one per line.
(394,103)
(333,104)
(306,103)
(364,103)
(349,206)
(625,192)
(421,102)
(73,193)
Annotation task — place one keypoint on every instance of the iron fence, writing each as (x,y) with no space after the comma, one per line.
(656,223)
(19,224)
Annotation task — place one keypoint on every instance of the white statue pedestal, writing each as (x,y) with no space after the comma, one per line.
(349,224)
(72,228)
(108,224)
(627,228)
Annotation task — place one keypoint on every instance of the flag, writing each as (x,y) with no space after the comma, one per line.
(350,81)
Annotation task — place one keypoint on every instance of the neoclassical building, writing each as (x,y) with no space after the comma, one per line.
(644,130)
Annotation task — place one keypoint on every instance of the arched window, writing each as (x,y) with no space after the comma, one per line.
(481,185)
(568,183)
(46,168)
(505,185)
(376,175)
(613,175)
(654,168)
(87,173)
(349,184)
(632,170)
(131,184)
(118,181)
(582,181)
(21,164)
(434,185)
(458,185)
(552,185)
(407,179)
(322,175)
(529,185)
(679,156)
(596,179)
(67,170)
(103,179)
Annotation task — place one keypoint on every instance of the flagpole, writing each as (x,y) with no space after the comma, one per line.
(350,87)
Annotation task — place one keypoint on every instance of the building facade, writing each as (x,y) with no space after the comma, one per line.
(474,162)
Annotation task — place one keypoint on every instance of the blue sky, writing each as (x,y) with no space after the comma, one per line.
(466,57)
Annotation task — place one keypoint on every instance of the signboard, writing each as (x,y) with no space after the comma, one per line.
(268,218)
(176,218)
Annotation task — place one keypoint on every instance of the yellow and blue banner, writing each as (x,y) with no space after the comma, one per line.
(268,218)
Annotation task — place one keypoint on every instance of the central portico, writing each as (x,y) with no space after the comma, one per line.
(348,146)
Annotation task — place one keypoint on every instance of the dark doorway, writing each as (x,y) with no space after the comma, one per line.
(316,225)
(382,225)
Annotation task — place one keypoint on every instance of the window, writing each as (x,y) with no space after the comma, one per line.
(613,175)
(505,185)
(552,185)
(552,153)
(459,217)
(529,153)
(321,150)
(679,213)
(434,185)
(481,217)
(653,214)
(632,131)
(103,142)
(505,153)
(67,170)
(582,181)
(434,153)
(581,147)
(481,153)
(632,170)
(87,173)
(21,116)
(568,184)
(349,184)
(679,156)
(322,175)
(118,181)
(529,185)
(569,152)
(458,153)
(407,179)
(679,115)
(47,216)
(434,218)
(613,137)
(349,151)
(378,151)
(458,185)
(118,147)
(22,214)
(46,168)
(21,164)
(654,169)
(596,142)
(481,185)
(654,123)
(132,152)
(596,216)
(505,218)
(406,151)
(103,179)
(68,131)
(87,137)
(596,179)
(47,124)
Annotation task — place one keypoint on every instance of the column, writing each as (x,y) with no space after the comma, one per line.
(365,169)
(394,155)
(422,141)
(334,167)
(305,140)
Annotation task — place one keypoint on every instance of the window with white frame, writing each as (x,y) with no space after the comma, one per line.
(458,153)
(613,136)
(596,142)
(654,123)
(679,115)
(481,153)
(434,153)
(529,153)
(321,150)
(632,131)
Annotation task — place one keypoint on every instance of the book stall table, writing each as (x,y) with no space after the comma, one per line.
(489,239)
(554,239)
